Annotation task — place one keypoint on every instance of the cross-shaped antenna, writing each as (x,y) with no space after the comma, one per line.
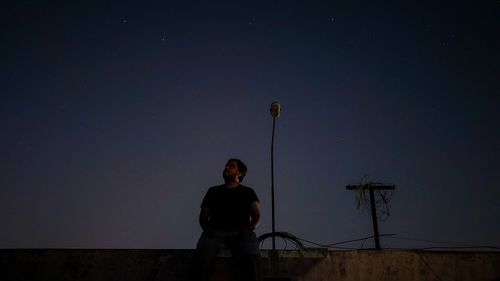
(371,187)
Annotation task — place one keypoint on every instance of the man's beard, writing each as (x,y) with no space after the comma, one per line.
(228,178)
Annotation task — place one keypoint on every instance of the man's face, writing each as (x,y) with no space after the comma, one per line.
(231,170)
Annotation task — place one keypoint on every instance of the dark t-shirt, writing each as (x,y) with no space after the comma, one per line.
(230,208)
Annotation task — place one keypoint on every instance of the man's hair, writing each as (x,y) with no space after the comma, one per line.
(242,168)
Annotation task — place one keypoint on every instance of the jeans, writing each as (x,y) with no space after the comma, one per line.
(245,251)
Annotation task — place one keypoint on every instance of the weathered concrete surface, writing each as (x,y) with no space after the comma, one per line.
(400,265)
(310,265)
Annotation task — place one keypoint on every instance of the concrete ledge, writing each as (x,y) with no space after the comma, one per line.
(308,265)
(318,253)
(310,253)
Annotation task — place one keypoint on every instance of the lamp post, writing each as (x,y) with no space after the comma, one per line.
(275,113)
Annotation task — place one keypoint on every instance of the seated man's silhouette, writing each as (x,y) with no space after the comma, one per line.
(229,214)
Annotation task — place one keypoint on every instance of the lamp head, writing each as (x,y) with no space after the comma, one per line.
(275,109)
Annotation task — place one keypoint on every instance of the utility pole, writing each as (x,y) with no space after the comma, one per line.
(371,187)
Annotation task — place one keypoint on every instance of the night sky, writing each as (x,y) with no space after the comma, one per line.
(116,117)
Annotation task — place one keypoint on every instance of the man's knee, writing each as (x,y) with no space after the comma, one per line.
(247,245)
(207,242)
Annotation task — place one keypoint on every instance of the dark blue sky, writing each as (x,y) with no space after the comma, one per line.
(116,116)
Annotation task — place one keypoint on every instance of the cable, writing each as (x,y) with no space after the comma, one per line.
(363,244)
(455,245)
(331,245)
(359,239)
(286,243)
(283,235)
(297,241)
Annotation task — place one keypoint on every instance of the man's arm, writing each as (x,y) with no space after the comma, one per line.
(255,215)
(204,216)
(254,219)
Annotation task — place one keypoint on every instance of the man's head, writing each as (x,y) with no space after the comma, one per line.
(235,168)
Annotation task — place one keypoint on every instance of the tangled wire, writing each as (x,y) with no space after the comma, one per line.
(382,197)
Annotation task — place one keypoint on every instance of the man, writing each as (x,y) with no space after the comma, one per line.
(229,214)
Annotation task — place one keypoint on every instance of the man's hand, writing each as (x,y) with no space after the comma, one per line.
(246,231)
(208,232)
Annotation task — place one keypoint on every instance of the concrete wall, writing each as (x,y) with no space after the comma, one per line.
(309,265)
(396,265)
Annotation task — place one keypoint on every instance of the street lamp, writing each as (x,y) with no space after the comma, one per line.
(275,113)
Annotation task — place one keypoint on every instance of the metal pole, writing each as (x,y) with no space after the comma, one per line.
(272,184)
(374,219)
